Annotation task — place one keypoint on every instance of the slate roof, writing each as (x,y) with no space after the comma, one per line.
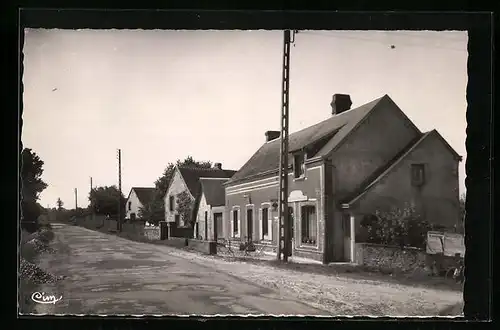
(336,129)
(144,194)
(192,175)
(214,191)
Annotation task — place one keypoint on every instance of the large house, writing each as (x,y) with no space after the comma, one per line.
(137,198)
(201,189)
(342,169)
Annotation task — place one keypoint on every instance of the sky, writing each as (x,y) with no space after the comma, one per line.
(161,95)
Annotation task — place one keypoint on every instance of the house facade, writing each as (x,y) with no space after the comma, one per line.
(342,169)
(137,198)
(211,211)
(192,186)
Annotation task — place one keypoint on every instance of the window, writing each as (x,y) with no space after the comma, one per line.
(265,223)
(171,203)
(308,224)
(129,206)
(299,167)
(417,175)
(177,219)
(235,223)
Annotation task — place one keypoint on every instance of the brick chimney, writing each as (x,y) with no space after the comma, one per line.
(340,103)
(272,135)
(218,165)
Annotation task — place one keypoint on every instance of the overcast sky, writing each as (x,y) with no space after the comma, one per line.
(163,95)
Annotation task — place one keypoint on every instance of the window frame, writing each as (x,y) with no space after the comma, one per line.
(301,207)
(420,179)
(171,202)
(302,174)
(266,237)
(235,234)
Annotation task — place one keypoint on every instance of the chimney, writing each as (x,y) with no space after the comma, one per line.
(218,165)
(340,103)
(272,135)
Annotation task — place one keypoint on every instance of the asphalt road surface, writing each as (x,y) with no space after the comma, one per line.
(114,276)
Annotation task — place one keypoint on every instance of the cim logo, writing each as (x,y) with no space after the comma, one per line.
(42,298)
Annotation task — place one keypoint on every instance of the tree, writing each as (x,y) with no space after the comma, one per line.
(31,187)
(59,204)
(185,208)
(154,211)
(105,200)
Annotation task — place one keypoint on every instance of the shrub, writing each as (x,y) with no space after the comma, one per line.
(46,236)
(398,226)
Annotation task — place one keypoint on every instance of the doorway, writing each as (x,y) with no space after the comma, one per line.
(217,226)
(249,224)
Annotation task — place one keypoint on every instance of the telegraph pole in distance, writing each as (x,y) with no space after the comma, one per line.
(119,221)
(76,199)
(284,246)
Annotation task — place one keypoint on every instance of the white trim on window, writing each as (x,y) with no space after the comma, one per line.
(267,237)
(316,211)
(250,207)
(238,212)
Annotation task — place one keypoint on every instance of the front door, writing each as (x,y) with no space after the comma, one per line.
(249,224)
(346,228)
(217,225)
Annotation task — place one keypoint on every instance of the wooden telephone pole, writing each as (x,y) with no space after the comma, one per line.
(76,199)
(284,246)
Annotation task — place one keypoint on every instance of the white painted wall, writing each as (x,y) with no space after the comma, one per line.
(135,204)
(176,187)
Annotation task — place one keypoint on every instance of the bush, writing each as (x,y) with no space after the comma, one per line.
(46,236)
(398,226)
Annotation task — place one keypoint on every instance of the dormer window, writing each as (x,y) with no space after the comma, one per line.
(298,165)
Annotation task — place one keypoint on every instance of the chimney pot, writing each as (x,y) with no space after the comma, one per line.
(272,135)
(340,103)
(218,165)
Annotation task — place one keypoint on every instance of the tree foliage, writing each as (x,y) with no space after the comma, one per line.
(31,187)
(154,211)
(104,200)
(185,208)
(59,204)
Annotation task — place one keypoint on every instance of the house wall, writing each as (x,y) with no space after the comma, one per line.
(254,194)
(383,134)
(135,205)
(200,218)
(438,199)
(177,186)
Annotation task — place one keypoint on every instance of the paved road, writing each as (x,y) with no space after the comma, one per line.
(110,275)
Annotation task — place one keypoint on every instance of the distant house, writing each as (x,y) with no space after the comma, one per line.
(137,198)
(341,170)
(200,186)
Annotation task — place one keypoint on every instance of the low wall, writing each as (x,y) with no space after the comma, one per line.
(207,247)
(181,232)
(399,260)
(151,233)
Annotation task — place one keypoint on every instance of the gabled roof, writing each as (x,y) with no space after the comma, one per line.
(144,194)
(385,170)
(336,128)
(214,191)
(192,175)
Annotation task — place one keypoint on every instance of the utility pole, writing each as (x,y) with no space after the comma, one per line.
(76,199)
(284,246)
(119,221)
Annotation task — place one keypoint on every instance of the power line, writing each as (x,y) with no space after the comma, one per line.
(378,41)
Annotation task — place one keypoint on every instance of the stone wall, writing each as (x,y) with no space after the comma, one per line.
(394,259)
(152,233)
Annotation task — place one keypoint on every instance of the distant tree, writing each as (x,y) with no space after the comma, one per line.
(31,187)
(59,204)
(155,209)
(461,223)
(104,200)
